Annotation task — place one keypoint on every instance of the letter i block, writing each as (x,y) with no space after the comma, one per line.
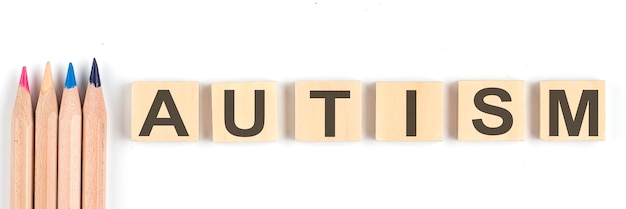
(244,112)
(165,111)
(328,111)
(409,111)
(491,111)
(571,110)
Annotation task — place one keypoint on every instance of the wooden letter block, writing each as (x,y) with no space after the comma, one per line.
(492,111)
(571,110)
(328,111)
(244,112)
(165,111)
(409,111)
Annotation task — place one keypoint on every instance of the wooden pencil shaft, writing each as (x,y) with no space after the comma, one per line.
(22,152)
(70,148)
(46,121)
(94,150)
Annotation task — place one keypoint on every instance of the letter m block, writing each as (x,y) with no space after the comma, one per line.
(571,110)
(165,111)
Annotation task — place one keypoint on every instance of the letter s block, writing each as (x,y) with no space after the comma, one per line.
(165,111)
(244,112)
(571,110)
(328,111)
(491,110)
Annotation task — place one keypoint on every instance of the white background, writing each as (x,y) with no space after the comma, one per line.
(287,41)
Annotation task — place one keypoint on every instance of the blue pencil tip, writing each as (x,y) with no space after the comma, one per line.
(70,79)
(94,78)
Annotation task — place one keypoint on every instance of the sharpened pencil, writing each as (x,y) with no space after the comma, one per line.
(22,147)
(46,120)
(70,144)
(94,143)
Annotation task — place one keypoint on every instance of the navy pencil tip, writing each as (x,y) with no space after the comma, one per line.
(70,79)
(94,78)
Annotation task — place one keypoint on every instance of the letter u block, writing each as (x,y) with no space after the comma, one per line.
(165,111)
(328,111)
(491,110)
(571,110)
(244,112)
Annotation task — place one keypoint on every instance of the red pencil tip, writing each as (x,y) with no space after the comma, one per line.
(24,79)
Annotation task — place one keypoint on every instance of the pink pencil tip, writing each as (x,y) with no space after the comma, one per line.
(24,79)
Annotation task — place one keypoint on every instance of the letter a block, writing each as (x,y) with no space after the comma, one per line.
(571,110)
(244,112)
(165,111)
(328,111)
(491,111)
(409,111)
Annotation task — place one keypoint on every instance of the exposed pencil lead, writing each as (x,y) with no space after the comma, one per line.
(24,80)
(94,78)
(70,79)
(47,82)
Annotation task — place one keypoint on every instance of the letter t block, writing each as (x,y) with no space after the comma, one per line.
(165,111)
(328,111)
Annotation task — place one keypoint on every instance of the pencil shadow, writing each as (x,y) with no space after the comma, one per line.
(289,114)
(125,96)
(533,106)
(82,70)
(206,124)
(119,140)
(59,72)
(11,83)
(453,110)
(369,110)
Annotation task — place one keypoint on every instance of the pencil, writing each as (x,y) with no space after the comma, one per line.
(22,147)
(70,144)
(46,119)
(94,143)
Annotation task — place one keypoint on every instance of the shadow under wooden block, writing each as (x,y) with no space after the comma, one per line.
(328,111)
(409,111)
(245,112)
(492,110)
(165,111)
(571,110)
